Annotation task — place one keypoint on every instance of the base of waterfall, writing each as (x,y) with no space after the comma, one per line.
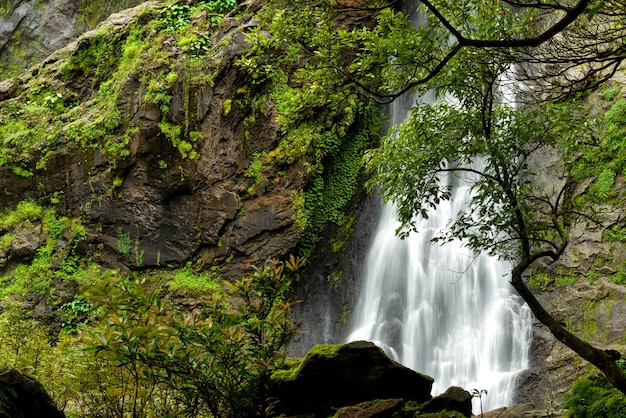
(359,380)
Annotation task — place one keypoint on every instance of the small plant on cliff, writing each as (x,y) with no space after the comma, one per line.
(479,394)
(255,169)
(178,16)
(124,242)
(185,279)
(43,229)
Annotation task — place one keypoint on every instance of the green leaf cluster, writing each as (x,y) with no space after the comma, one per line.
(178,16)
(216,359)
(594,396)
(338,177)
(26,346)
(54,258)
(601,153)
(75,311)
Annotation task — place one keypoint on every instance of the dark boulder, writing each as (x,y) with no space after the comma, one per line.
(26,242)
(333,376)
(453,399)
(23,397)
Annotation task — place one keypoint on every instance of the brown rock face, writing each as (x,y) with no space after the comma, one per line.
(167,207)
(597,313)
(453,399)
(578,291)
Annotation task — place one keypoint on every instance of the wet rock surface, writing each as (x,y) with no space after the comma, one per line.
(32,29)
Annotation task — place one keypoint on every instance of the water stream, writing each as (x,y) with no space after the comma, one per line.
(442,310)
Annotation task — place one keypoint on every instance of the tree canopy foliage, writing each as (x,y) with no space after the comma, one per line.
(562,47)
(467,52)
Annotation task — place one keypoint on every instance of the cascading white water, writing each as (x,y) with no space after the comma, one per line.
(442,310)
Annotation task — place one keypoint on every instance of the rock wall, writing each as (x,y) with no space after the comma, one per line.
(597,313)
(30,30)
(331,288)
(582,290)
(163,163)
(175,208)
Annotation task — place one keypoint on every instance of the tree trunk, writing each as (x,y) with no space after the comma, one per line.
(604,361)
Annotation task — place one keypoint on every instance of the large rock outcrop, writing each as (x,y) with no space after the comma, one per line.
(186,170)
(584,289)
(333,376)
(594,311)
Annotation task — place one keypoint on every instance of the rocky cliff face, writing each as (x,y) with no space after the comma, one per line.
(156,136)
(595,311)
(584,289)
(332,285)
(174,207)
(32,29)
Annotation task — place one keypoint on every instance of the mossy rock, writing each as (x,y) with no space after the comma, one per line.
(333,376)
(291,367)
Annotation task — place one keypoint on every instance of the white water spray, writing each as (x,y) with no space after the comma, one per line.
(442,310)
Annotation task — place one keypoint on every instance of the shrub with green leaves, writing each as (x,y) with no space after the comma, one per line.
(25,346)
(215,361)
(594,396)
(134,324)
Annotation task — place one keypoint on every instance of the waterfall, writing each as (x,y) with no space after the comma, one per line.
(442,310)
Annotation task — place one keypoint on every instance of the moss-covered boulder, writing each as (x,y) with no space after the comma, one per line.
(380,408)
(333,376)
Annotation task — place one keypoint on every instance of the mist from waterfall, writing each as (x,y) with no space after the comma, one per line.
(442,310)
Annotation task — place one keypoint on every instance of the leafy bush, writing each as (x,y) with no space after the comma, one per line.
(216,360)
(25,346)
(178,16)
(594,397)
(121,384)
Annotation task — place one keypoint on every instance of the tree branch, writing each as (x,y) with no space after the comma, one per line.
(571,14)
